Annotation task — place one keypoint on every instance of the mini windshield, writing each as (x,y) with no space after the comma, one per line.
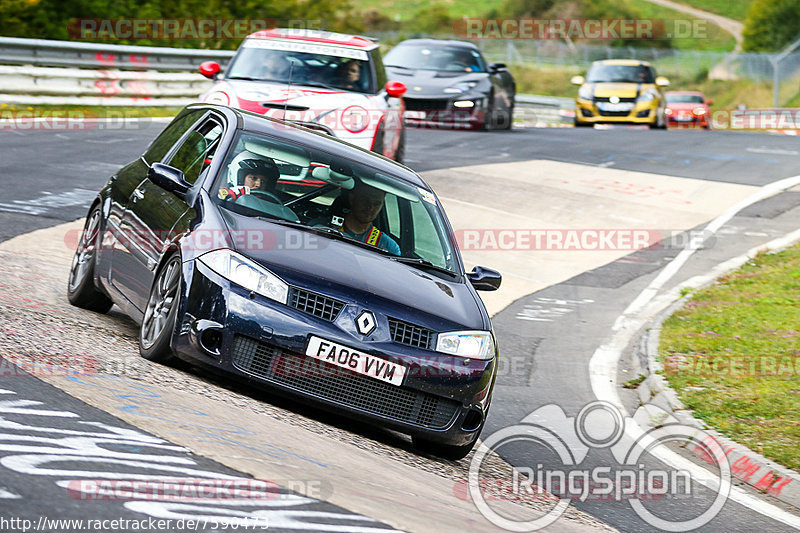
(620,73)
(339,69)
(684,99)
(327,194)
(441,58)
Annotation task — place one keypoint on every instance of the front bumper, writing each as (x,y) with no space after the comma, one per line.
(589,112)
(223,327)
(441,113)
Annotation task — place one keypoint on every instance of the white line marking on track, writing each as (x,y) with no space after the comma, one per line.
(604,362)
(487,208)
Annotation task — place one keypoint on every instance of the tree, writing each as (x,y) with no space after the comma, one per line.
(770,25)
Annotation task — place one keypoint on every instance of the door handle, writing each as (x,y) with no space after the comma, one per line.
(138,194)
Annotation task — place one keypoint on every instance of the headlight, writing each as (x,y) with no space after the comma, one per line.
(585,92)
(647,96)
(355,119)
(218,97)
(472,344)
(462,87)
(464,103)
(244,272)
(699,111)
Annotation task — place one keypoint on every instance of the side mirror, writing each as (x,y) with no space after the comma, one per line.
(661,81)
(395,89)
(168,178)
(496,67)
(709,102)
(577,80)
(484,279)
(209,69)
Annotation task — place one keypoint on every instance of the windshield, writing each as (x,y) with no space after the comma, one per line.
(319,191)
(620,73)
(684,99)
(440,58)
(303,64)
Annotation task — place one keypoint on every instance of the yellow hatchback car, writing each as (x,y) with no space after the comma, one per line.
(620,91)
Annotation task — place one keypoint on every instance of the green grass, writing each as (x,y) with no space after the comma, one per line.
(405,10)
(733,355)
(715,38)
(733,9)
(86,111)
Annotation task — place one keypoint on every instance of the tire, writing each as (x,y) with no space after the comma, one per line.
(445,451)
(158,323)
(81,290)
(488,120)
(377,144)
(400,154)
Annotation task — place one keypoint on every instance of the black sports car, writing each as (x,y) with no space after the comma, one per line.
(450,83)
(298,262)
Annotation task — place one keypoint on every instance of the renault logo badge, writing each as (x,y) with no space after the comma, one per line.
(365,323)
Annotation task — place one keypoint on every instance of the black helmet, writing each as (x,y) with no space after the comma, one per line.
(266,168)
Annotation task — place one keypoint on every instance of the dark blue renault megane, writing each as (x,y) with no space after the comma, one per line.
(298,262)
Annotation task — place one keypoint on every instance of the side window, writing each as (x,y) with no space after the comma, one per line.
(159,148)
(197,150)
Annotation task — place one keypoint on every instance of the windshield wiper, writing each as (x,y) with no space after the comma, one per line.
(401,66)
(424,263)
(319,84)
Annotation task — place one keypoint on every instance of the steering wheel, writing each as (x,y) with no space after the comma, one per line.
(266,196)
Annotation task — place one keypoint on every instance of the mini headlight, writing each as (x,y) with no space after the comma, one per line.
(462,87)
(699,111)
(464,103)
(355,119)
(472,344)
(585,92)
(647,96)
(218,97)
(242,271)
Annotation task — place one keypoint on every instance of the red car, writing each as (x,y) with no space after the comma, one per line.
(687,108)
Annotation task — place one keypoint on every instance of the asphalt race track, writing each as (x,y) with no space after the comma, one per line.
(556,307)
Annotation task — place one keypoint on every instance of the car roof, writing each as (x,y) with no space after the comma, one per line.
(625,62)
(439,42)
(316,37)
(255,123)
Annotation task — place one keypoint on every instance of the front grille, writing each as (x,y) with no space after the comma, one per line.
(341,386)
(426,104)
(315,304)
(409,334)
(614,113)
(608,99)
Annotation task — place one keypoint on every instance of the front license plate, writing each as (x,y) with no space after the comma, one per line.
(684,118)
(415,114)
(608,106)
(355,361)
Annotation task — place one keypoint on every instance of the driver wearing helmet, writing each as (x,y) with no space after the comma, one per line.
(253,175)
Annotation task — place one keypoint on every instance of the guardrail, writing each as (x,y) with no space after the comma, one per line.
(36,72)
(41,52)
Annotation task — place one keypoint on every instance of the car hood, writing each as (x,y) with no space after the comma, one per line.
(354,274)
(622,90)
(302,102)
(431,83)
